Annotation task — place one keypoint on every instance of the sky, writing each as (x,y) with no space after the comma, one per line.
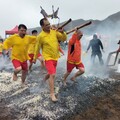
(15,12)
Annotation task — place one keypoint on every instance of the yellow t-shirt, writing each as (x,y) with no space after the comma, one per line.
(1,47)
(19,46)
(31,48)
(48,42)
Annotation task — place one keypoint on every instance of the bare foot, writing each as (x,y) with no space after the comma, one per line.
(15,77)
(24,84)
(73,79)
(53,98)
(64,83)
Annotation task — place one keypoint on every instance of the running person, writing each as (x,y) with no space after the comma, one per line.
(31,52)
(19,53)
(74,56)
(47,40)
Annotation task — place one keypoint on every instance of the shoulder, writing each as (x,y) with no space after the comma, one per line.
(12,37)
(99,40)
(91,40)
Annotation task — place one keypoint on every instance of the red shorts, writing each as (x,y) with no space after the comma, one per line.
(71,66)
(17,63)
(32,55)
(51,66)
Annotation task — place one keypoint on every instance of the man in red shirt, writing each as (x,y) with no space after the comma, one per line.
(74,56)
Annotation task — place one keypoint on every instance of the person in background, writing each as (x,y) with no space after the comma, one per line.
(31,52)
(1,47)
(47,40)
(96,44)
(74,57)
(19,53)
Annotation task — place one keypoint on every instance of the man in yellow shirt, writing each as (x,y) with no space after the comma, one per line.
(31,52)
(47,40)
(19,53)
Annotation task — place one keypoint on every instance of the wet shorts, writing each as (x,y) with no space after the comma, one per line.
(32,56)
(70,66)
(17,63)
(51,66)
(0,53)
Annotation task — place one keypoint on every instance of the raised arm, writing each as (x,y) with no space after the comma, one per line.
(73,39)
(61,35)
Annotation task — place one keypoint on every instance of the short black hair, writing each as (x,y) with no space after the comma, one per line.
(34,31)
(42,21)
(22,26)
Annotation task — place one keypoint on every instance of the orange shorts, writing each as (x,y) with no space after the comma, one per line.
(32,55)
(70,66)
(51,66)
(17,63)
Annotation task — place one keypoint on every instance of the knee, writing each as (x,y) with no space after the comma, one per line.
(68,72)
(52,76)
(18,69)
(82,70)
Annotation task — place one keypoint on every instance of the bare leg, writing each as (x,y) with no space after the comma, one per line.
(65,77)
(30,66)
(46,77)
(51,84)
(16,71)
(41,61)
(24,74)
(80,72)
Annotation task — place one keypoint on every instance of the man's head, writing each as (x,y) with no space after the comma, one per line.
(95,36)
(45,24)
(34,32)
(22,30)
(79,34)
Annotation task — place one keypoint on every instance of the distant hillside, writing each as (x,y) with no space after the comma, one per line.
(110,25)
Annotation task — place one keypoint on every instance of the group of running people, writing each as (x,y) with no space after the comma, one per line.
(27,47)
